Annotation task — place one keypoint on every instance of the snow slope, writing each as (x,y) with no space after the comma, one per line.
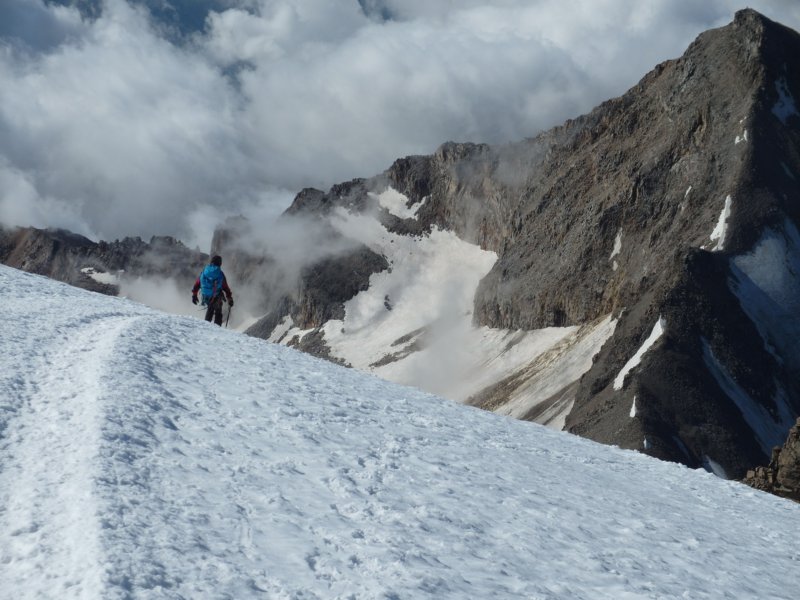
(144,455)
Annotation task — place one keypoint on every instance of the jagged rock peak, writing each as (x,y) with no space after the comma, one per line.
(751,20)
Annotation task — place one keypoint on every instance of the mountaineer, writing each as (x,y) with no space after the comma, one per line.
(215,290)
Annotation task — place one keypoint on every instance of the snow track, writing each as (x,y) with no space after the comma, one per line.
(57,533)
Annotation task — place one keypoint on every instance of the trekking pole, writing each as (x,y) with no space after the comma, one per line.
(228,318)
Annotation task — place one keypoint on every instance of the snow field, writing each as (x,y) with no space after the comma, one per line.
(153,456)
(431,282)
(397,204)
(425,299)
(555,368)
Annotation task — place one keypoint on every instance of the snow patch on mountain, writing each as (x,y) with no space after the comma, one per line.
(549,370)
(430,283)
(685,198)
(714,467)
(721,229)
(101,276)
(657,332)
(397,203)
(616,250)
(279,333)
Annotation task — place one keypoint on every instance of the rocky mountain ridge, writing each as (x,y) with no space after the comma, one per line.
(97,266)
(656,207)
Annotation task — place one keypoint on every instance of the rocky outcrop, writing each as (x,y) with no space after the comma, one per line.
(322,290)
(719,384)
(782,476)
(69,257)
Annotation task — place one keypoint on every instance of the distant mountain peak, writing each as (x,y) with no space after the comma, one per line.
(638,212)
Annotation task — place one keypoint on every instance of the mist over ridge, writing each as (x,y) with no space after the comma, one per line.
(124,118)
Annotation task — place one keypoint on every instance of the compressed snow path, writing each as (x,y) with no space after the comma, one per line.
(144,455)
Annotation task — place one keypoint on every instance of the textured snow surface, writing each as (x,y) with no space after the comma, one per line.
(145,455)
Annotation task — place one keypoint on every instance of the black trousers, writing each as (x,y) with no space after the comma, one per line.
(214,309)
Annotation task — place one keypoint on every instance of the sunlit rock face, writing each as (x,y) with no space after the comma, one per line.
(671,210)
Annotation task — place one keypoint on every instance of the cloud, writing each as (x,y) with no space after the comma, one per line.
(32,25)
(114,127)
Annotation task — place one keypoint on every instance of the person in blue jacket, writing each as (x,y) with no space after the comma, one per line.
(215,290)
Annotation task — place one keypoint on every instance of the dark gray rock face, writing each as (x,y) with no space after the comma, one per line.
(322,290)
(699,387)
(62,255)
